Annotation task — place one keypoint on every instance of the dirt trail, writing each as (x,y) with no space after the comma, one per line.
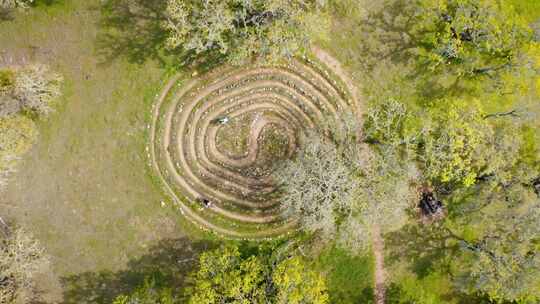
(377,240)
(336,67)
(380,275)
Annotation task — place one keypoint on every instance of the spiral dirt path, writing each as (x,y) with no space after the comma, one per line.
(188,150)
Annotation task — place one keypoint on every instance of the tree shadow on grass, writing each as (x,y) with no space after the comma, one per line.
(388,33)
(133,29)
(421,247)
(425,249)
(391,36)
(6,14)
(348,276)
(171,259)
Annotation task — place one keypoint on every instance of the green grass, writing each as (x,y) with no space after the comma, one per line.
(349,278)
(432,289)
(529,9)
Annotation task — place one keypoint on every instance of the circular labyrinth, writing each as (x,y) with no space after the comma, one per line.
(215,139)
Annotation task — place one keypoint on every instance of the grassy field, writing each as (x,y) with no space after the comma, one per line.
(529,9)
(349,278)
(84,189)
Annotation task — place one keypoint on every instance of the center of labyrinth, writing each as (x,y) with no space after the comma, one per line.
(215,140)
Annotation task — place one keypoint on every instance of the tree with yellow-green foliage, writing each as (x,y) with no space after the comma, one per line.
(265,275)
(17,134)
(228,276)
(297,283)
(469,84)
(452,146)
(150,292)
(470,37)
(24,90)
(240,29)
(225,276)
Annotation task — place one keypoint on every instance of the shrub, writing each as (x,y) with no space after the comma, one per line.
(36,87)
(31,88)
(21,257)
(10,4)
(17,134)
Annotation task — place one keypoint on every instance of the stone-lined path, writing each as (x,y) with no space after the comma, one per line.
(184,153)
(292,97)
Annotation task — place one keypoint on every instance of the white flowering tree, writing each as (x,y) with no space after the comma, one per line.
(36,87)
(10,4)
(341,189)
(240,29)
(21,258)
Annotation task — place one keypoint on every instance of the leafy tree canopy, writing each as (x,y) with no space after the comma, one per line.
(240,29)
(31,88)
(499,235)
(227,276)
(470,37)
(453,145)
(341,188)
(149,293)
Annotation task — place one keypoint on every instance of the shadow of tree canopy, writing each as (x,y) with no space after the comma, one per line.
(6,14)
(172,260)
(425,249)
(133,29)
(390,35)
(421,247)
(387,32)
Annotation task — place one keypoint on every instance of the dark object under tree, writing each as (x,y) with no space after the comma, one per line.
(429,204)
(536,185)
